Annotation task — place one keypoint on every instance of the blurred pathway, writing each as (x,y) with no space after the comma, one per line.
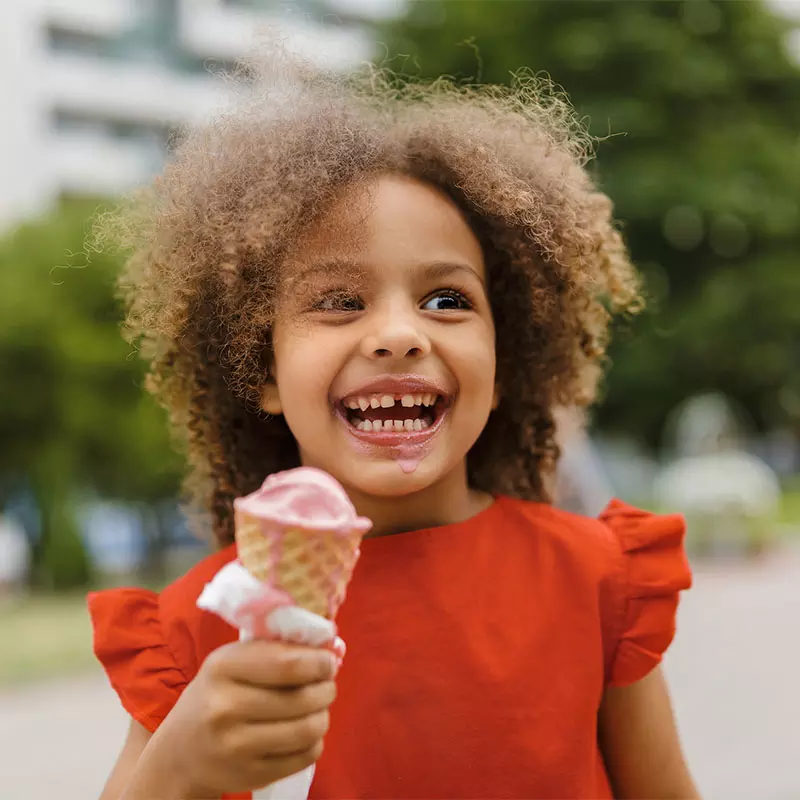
(59,740)
(734,671)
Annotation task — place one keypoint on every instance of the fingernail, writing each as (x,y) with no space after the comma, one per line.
(339,649)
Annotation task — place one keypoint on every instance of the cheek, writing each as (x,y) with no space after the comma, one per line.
(304,372)
(475,358)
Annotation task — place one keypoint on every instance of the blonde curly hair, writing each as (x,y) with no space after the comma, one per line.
(208,238)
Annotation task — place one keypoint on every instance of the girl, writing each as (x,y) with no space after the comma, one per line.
(397,284)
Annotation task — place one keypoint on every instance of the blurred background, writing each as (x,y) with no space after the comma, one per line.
(697,107)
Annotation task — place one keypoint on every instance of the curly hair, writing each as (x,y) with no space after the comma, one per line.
(208,238)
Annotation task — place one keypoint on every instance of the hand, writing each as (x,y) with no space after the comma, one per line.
(256,712)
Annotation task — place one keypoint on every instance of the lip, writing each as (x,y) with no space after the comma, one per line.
(396,385)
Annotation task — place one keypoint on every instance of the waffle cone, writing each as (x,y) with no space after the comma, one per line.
(313,567)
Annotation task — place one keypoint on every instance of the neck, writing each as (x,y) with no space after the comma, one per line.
(448,501)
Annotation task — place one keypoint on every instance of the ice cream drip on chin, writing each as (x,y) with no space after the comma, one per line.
(409,464)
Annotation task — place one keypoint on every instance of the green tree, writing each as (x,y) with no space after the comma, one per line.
(705,175)
(74,416)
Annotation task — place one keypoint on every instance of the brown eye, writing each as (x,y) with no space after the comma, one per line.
(447,301)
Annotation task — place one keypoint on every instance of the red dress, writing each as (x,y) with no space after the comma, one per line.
(477,652)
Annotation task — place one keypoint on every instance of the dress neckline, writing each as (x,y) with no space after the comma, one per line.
(448,529)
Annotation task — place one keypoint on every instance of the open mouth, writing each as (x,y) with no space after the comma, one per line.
(394,413)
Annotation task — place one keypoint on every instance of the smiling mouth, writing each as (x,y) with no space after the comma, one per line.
(394,413)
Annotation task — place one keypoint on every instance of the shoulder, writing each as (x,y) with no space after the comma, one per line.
(632,561)
(152,645)
(181,595)
(193,632)
(620,536)
(585,539)
(174,605)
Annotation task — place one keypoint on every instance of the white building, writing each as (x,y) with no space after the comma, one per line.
(92,89)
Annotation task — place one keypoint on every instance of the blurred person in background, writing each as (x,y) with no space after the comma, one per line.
(399,284)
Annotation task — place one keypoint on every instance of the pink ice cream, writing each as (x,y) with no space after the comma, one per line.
(304,497)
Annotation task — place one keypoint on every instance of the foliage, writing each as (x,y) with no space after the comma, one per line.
(63,562)
(696,107)
(74,414)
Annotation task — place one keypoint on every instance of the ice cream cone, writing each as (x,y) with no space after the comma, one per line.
(300,534)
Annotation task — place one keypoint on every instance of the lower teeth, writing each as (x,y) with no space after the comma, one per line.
(393,425)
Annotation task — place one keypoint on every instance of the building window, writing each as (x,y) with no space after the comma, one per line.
(61,40)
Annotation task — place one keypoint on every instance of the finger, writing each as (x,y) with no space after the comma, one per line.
(291,737)
(271,769)
(275,664)
(260,705)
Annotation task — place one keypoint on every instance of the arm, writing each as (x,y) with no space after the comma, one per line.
(132,776)
(640,742)
(255,713)
(135,743)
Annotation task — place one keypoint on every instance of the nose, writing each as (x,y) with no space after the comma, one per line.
(396,333)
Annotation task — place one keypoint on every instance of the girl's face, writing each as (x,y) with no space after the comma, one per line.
(384,345)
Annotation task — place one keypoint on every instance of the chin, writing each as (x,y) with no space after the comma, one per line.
(387,480)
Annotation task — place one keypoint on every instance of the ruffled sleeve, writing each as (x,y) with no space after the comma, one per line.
(654,570)
(130,643)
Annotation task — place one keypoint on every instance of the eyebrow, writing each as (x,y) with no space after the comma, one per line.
(434,270)
(443,269)
(343,268)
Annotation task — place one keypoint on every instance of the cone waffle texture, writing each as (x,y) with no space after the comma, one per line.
(313,567)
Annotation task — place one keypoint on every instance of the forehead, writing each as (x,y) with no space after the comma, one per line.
(389,222)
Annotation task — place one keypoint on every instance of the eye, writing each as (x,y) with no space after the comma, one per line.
(339,301)
(447,300)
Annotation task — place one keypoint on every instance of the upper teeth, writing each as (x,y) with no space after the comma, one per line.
(364,402)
